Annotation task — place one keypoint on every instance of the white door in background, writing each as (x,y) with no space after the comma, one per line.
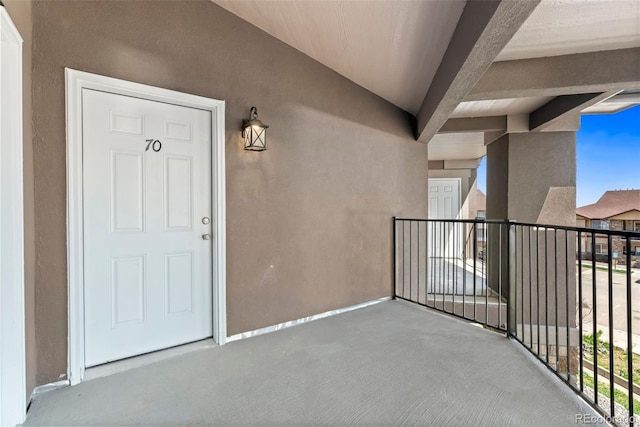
(444,203)
(147,225)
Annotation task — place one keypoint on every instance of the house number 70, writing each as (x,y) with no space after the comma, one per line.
(154,144)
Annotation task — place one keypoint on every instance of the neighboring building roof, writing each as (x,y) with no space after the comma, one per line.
(611,203)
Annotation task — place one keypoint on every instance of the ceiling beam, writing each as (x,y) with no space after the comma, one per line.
(484,28)
(474,124)
(564,106)
(560,75)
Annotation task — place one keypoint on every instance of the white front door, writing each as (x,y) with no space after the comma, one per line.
(444,198)
(147,225)
(444,203)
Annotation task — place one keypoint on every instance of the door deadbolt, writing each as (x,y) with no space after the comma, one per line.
(206,220)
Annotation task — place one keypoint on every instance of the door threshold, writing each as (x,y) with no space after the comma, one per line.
(145,359)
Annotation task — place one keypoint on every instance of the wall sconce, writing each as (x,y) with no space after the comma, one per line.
(254,132)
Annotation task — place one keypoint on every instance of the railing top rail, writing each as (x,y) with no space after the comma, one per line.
(470,220)
(623,233)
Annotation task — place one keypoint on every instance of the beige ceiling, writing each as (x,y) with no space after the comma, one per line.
(457,146)
(392,48)
(499,107)
(614,104)
(561,27)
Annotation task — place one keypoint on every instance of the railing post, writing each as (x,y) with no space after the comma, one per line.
(511,262)
(395,256)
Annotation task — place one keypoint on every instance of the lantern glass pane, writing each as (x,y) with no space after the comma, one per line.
(247,138)
(255,138)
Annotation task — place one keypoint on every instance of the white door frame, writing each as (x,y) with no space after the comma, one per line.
(75,82)
(13,398)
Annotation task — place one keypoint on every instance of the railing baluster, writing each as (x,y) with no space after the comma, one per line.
(530,295)
(579,240)
(395,258)
(630,387)
(538,285)
(515,279)
(464,275)
(508,279)
(487,260)
(546,292)
(435,263)
(611,345)
(410,259)
(426,263)
(566,298)
(454,271)
(475,269)
(447,265)
(451,265)
(418,256)
(484,264)
(403,261)
(500,275)
(594,313)
(433,266)
(522,277)
(442,262)
(555,270)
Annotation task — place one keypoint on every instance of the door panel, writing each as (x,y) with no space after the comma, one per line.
(444,203)
(126,192)
(179,282)
(178,195)
(147,267)
(127,290)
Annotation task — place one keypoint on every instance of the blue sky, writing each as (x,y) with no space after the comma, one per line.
(608,155)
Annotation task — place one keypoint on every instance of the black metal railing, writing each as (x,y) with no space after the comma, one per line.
(564,293)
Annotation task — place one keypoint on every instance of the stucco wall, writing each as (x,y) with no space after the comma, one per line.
(531,178)
(21,15)
(498,179)
(308,220)
(542,178)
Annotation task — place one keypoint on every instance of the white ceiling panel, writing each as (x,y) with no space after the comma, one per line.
(499,107)
(392,48)
(457,146)
(562,27)
(614,104)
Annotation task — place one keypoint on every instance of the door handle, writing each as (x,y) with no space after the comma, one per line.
(206,236)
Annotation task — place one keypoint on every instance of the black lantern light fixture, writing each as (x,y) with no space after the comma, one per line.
(254,132)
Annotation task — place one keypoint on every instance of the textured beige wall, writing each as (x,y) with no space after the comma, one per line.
(542,178)
(308,220)
(498,179)
(21,15)
(531,178)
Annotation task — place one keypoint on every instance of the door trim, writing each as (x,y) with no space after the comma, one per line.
(12,312)
(75,82)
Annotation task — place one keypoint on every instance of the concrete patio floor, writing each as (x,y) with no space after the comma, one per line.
(452,276)
(392,363)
